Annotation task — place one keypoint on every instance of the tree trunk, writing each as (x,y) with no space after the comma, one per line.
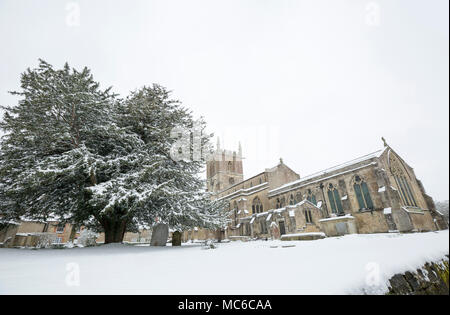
(114,230)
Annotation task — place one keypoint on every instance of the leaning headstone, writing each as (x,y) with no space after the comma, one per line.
(176,238)
(160,234)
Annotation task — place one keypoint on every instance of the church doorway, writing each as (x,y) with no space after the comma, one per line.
(282,228)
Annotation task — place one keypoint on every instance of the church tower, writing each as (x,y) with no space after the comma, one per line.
(224,169)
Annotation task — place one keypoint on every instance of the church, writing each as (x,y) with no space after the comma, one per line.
(375,193)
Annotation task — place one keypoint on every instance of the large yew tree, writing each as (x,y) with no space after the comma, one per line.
(75,152)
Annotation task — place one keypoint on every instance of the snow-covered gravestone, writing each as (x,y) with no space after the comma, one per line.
(275,230)
(160,234)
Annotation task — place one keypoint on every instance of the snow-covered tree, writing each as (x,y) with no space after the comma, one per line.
(171,191)
(87,238)
(75,152)
(443,207)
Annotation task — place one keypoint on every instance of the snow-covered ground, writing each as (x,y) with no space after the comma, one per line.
(340,265)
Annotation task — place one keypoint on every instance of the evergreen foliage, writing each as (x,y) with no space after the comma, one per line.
(75,152)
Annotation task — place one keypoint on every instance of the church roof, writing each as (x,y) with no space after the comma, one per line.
(328,171)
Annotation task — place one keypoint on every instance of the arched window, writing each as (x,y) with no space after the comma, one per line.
(298,197)
(278,204)
(257,206)
(308,216)
(362,193)
(335,200)
(405,191)
(282,202)
(311,197)
(230,167)
(291,200)
(399,172)
(231,180)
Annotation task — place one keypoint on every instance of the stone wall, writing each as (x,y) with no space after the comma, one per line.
(7,234)
(430,279)
(371,222)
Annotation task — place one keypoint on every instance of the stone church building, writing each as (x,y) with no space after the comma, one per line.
(375,193)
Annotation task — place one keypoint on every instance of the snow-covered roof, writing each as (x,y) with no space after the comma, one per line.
(279,210)
(246,191)
(382,189)
(305,180)
(9,222)
(387,210)
(367,157)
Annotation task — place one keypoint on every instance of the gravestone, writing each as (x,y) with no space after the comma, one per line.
(160,234)
(176,238)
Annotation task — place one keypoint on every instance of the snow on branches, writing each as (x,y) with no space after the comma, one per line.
(78,152)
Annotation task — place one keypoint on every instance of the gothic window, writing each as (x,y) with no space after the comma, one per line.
(335,200)
(291,200)
(308,216)
(278,204)
(298,197)
(405,191)
(311,197)
(257,206)
(282,202)
(231,180)
(230,167)
(362,193)
(397,170)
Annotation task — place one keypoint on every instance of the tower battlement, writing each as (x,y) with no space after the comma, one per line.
(224,168)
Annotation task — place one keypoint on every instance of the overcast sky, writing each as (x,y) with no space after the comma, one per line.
(316,82)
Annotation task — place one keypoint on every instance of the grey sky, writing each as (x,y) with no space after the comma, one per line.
(315,82)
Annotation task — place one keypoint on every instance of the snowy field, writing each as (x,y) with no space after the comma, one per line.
(346,265)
